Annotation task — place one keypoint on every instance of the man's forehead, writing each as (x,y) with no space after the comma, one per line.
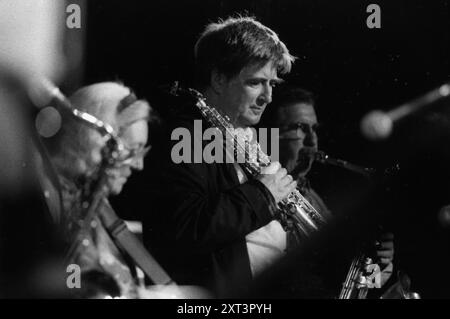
(267,70)
(297,112)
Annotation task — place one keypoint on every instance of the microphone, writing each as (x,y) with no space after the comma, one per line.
(378,124)
(42,92)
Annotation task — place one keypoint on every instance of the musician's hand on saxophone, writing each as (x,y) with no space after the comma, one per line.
(277,180)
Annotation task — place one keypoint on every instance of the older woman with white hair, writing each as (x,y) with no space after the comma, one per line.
(76,152)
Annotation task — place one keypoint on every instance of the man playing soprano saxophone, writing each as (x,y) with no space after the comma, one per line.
(209,225)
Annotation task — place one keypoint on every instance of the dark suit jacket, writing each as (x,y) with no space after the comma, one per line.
(198,216)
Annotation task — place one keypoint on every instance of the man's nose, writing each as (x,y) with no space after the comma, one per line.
(310,139)
(266,95)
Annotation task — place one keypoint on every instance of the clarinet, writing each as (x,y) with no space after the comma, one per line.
(305,217)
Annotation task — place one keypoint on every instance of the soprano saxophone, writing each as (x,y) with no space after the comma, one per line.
(305,217)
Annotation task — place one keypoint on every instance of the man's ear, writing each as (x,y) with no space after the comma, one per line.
(218,81)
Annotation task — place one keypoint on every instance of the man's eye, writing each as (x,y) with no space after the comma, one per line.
(302,127)
(316,127)
(253,83)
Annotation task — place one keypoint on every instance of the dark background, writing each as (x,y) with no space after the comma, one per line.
(351,69)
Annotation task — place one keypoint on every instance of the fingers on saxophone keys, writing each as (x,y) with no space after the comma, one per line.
(276,165)
(287,179)
(293,186)
(280,176)
(273,168)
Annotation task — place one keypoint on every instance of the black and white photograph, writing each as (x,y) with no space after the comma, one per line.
(252,150)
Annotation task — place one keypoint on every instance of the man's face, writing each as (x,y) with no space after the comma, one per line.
(134,138)
(245,96)
(298,137)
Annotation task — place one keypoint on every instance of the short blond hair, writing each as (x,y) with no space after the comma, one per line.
(230,45)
